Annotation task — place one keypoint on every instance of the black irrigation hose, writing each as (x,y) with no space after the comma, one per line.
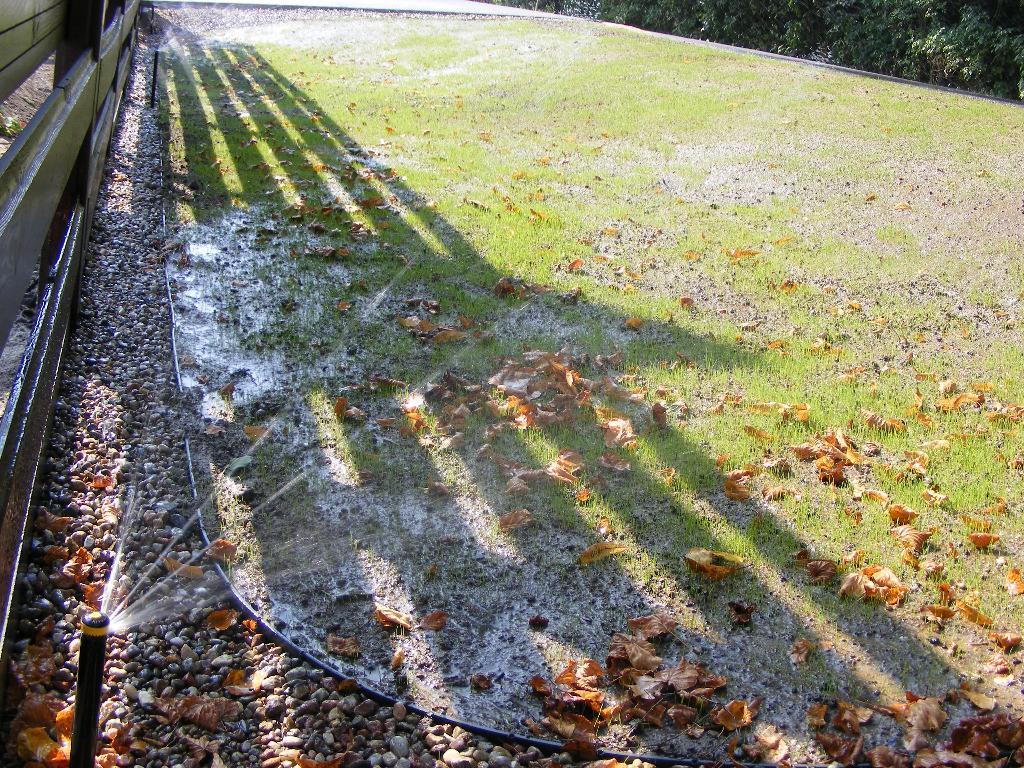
(546,746)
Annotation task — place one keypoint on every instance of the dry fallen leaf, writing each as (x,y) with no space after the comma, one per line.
(842,750)
(983,540)
(741,612)
(222,550)
(655,625)
(222,619)
(600,551)
(972,614)
(434,621)
(389,618)
(926,714)
(978,699)
(517,518)
(800,650)
(480,682)
(180,569)
(1007,641)
(714,565)
(254,433)
(344,646)
(736,714)
(206,712)
(1014,582)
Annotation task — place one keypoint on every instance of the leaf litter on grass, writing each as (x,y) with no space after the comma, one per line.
(521,463)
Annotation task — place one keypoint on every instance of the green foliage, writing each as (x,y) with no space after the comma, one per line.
(9,126)
(977,44)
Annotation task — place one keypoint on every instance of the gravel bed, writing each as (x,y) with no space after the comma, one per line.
(119,414)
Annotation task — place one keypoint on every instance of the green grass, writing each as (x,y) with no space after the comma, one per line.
(650,161)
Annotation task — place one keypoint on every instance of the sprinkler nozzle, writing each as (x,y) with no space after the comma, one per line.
(89,691)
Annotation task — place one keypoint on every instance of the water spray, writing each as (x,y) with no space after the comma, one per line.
(92,654)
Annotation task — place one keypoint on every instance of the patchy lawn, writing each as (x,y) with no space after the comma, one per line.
(665,299)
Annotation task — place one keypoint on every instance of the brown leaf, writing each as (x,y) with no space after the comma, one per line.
(849,717)
(742,613)
(655,625)
(886,757)
(979,700)
(480,682)
(618,433)
(447,335)
(911,538)
(609,460)
(736,714)
(254,433)
(222,619)
(180,569)
(1005,640)
(800,650)
(434,621)
(389,618)
(713,565)
(628,651)
(222,550)
(821,571)
(926,714)
(816,714)
(983,540)
(517,518)
(660,414)
(972,614)
(344,646)
(901,514)
(206,712)
(600,551)
(943,612)
(842,750)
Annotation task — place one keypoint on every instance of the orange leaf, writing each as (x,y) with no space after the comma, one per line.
(254,433)
(222,619)
(389,618)
(222,551)
(736,714)
(180,569)
(600,551)
(713,565)
(1014,582)
(972,614)
(983,540)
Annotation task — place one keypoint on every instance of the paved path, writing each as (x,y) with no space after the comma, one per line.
(406,6)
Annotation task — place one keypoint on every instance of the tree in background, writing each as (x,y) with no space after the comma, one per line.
(977,44)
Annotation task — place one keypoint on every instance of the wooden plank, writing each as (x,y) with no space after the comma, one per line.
(16,41)
(26,421)
(33,174)
(14,74)
(15,12)
(45,171)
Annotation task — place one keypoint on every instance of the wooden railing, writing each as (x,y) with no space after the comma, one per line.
(49,179)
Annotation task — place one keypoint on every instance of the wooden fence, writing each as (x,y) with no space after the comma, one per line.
(49,179)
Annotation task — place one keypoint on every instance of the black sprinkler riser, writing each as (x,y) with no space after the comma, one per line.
(89,692)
